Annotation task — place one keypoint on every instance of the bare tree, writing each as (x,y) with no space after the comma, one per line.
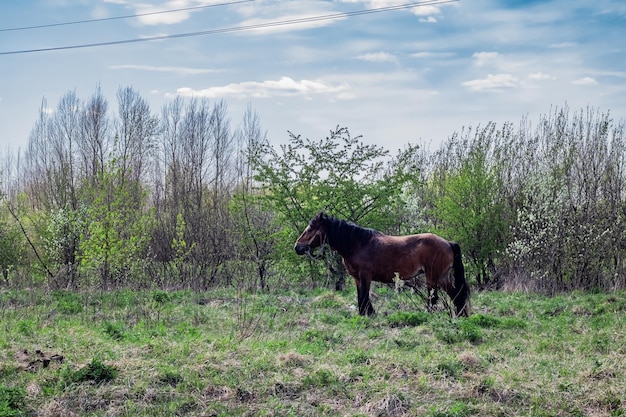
(255,224)
(568,202)
(50,175)
(167,189)
(184,215)
(38,168)
(50,155)
(135,133)
(223,150)
(94,144)
(64,138)
(194,228)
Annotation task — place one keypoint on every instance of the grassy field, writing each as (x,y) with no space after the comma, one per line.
(229,353)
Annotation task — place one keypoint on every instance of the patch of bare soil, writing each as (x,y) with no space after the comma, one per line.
(33,361)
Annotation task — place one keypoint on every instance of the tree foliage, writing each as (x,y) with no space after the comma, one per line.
(339,174)
(570,217)
(539,208)
(468,204)
(113,242)
(12,246)
(119,196)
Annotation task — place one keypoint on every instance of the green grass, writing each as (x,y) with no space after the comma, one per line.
(225,353)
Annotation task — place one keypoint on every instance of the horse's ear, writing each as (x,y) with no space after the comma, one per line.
(319,216)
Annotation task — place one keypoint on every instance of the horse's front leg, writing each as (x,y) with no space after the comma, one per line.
(433,297)
(363,296)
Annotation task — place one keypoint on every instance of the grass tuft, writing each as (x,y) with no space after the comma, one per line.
(408,318)
(114,330)
(96,371)
(457,331)
(456,409)
(12,402)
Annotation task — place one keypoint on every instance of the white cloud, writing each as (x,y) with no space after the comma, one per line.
(173,70)
(160,18)
(157,14)
(99,12)
(420,10)
(538,76)
(429,19)
(284,87)
(378,57)
(492,83)
(483,58)
(289,22)
(562,45)
(161,36)
(425,10)
(433,55)
(618,74)
(585,81)
(283,16)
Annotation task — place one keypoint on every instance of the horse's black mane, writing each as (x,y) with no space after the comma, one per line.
(344,235)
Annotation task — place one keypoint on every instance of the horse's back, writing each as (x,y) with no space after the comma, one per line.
(434,241)
(405,256)
(420,241)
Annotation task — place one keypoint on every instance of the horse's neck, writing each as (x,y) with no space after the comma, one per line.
(344,237)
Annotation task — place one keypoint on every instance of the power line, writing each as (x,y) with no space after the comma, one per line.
(77,22)
(266,25)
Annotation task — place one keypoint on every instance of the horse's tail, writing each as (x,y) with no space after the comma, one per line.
(461,297)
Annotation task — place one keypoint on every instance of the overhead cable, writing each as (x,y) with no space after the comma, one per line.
(257,26)
(130,16)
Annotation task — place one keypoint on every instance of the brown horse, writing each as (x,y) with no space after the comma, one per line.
(370,255)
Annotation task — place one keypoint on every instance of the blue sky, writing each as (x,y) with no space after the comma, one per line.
(415,74)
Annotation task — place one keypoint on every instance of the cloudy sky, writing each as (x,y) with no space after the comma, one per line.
(390,70)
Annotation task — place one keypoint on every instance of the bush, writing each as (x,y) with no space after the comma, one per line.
(96,372)
(67,302)
(114,329)
(320,378)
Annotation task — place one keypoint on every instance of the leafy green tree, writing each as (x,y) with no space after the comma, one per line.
(11,247)
(62,228)
(340,175)
(469,206)
(116,232)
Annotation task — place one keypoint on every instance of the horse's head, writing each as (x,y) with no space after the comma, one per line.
(313,236)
